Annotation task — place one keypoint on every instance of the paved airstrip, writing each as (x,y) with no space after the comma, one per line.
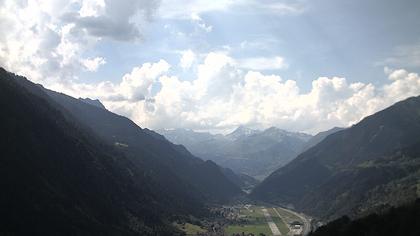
(268,220)
(274,229)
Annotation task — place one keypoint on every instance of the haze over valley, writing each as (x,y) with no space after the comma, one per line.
(256,153)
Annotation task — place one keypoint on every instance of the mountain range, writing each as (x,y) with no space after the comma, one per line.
(255,153)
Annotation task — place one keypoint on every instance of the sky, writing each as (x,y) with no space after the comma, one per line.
(300,65)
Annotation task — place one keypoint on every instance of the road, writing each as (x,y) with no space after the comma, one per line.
(274,229)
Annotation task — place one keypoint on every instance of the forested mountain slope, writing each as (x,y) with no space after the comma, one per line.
(70,166)
(402,220)
(58,178)
(172,165)
(367,163)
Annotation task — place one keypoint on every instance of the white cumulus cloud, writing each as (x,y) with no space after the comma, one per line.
(223,96)
(187,59)
(92,8)
(45,40)
(92,64)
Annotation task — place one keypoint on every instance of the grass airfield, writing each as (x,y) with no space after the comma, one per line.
(250,219)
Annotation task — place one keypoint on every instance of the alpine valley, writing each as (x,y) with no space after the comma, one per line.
(71,167)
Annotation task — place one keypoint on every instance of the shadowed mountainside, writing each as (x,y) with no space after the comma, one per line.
(320,137)
(395,221)
(58,178)
(356,170)
(76,168)
(172,165)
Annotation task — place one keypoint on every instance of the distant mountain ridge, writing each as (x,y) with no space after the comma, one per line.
(370,165)
(252,152)
(242,132)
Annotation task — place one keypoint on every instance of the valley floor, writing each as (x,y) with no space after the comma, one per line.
(248,219)
(264,220)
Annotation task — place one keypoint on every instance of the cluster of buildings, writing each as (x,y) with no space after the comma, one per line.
(296,228)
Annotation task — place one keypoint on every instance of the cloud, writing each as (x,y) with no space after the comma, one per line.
(282,8)
(200,23)
(137,85)
(404,55)
(46,39)
(263,63)
(92,8)
(262,43)
(404,84)
(182,9)
(117,20)
(223,96)
(187,59)
(92,64)
(134,86)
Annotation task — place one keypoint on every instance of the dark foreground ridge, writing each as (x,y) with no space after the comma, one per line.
(68,167)
(396,221)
